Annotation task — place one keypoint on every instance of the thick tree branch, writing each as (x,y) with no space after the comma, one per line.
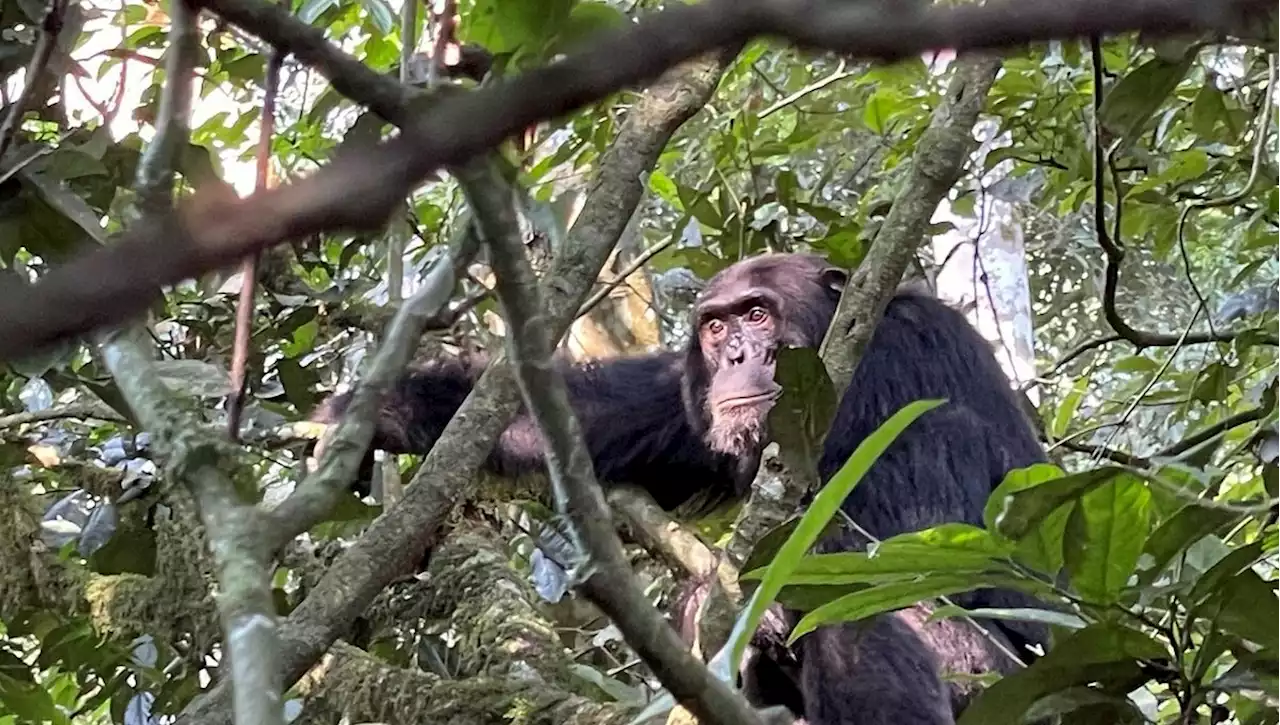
(395,542)
(360,190)
(196,455)
(606,576)
(936,165)
(655,530)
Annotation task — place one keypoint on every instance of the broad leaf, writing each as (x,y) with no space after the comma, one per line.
(1107,652)
(1131,102)
(1105,536)
(1028,495)
(799,420)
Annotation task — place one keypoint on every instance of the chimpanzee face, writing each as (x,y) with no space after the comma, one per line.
(739,342)
(744,315)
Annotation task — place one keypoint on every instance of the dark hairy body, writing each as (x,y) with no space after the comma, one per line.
(691,424)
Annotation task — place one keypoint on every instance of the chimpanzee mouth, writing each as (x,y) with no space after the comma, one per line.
(749,400)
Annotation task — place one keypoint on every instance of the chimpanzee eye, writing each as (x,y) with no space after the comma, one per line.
(715,327)
(757,314)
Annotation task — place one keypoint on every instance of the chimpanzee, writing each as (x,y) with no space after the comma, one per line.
(692,424)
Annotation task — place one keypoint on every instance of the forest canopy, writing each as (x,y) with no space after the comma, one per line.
(216,214)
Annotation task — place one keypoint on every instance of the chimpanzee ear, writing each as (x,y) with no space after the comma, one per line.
(835,279)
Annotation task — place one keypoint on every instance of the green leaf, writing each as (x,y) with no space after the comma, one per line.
(1228,566)
(1026,496)
(1245,606)
(768,545)
(1207,110)
(1105,537)
(1067,410)
(1041,616)
(881,108)
(666,189)
(1103,653)
(947,548)
(503,27)
(1131,102)
(380,12)
(1042,548)
(812,524)
(586,19)
(1135,364)
(884,597)
(1190,524)
(1183,166)
(807,406)
(313,9)
(1093,703)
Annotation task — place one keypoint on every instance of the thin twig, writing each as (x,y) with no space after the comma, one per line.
(1110,242)
(249,268)
(1071,355)
(1260,133)
(622,276)
(838,75)
(50,26)
(1137,399)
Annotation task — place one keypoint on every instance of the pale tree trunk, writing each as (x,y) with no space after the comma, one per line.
(983,266)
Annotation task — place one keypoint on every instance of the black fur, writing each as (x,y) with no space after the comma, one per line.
(940,470)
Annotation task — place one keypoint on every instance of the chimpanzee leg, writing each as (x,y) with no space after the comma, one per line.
(874,672)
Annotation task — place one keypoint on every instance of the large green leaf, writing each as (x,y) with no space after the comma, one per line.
(945,549)
(1105,536)
(1026,496)
(1190,524)
(886,597)
(1132,102)
(800,418)
(815,519)
(1104,653)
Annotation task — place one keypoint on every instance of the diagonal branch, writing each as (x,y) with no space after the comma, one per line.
(605,574)
(360,190)
(936,165)
(395,542)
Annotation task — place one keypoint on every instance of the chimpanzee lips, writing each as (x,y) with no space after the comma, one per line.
(749,400)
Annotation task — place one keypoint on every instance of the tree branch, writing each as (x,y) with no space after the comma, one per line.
(75,410)
(50,27)
(195,454)
(359,191)
(606,576)
(395,542)
(936,165)
(341,453)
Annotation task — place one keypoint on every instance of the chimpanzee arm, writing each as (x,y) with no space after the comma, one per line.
(630,411)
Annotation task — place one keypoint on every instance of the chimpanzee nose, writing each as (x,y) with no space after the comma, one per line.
(737,354)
